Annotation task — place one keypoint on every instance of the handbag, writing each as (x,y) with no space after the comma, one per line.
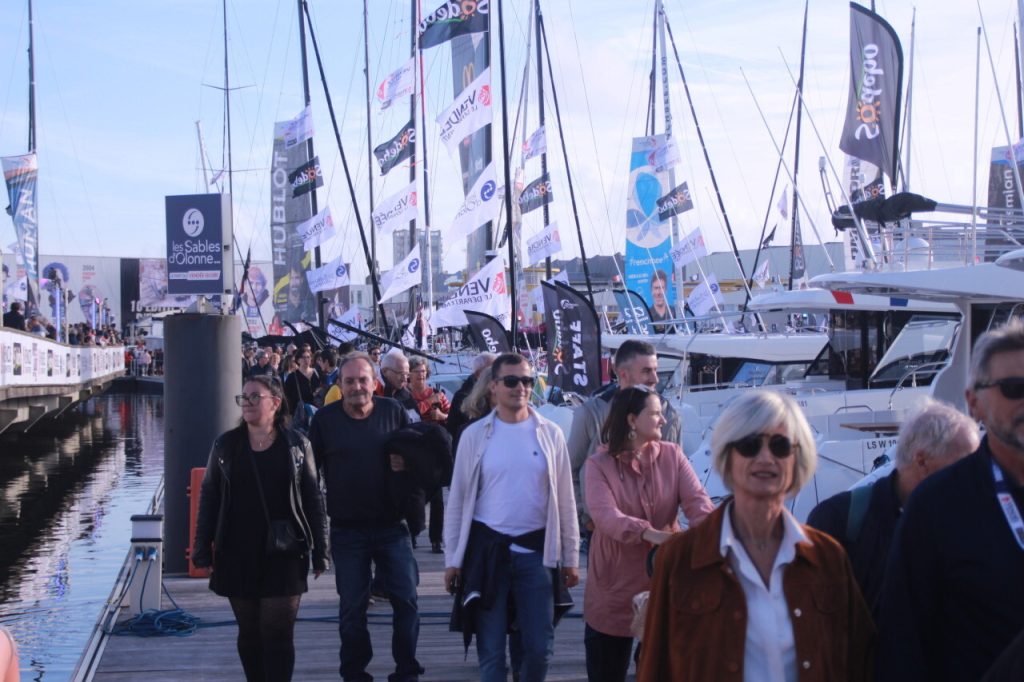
(281,536)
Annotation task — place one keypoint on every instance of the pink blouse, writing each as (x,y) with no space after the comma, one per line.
(626,496)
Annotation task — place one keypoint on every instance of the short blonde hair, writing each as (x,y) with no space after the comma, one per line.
(757,411)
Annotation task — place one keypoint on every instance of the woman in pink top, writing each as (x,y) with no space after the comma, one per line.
(635,485)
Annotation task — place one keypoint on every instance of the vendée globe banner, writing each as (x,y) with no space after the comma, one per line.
(21,172)
(198,245)
(648,239)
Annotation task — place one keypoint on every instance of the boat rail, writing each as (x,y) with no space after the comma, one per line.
(929,367)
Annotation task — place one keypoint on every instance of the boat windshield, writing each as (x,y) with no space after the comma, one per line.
(753,373)
(923,341)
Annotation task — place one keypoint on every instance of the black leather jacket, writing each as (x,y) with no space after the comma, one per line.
(309,509)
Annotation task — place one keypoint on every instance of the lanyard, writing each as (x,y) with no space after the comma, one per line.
(1006,501)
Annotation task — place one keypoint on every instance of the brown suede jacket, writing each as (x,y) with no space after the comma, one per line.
(697,616)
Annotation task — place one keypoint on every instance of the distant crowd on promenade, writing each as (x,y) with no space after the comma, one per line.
(78,334)
(916,575)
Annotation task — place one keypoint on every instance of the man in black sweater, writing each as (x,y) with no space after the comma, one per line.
(364,485)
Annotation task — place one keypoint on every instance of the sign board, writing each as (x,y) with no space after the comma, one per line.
(199,260)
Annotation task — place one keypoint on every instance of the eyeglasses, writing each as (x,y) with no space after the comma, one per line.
(511,381)
(1012,388)
(780,446)
(404,375)
(243,399)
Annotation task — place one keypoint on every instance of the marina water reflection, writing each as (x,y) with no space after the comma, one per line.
(67,492)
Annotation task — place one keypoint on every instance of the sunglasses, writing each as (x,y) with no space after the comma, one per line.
(243,399)
(1012,388)
(780,446)
(511,381)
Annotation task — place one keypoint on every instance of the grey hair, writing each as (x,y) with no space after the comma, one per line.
(416,362)
(932,429)
(481,361)
(355,355)
(758,411)
(1005,339)
(392,358)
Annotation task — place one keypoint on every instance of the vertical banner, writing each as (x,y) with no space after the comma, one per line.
(573,340)
(198,239)
(20,173)
(1003,193)
(876,75)
(634,312)
(648,240)
(293,301)
(488,333)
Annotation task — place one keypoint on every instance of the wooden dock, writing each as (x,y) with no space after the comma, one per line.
(210,653)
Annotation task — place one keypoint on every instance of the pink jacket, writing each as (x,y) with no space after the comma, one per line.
(626,496)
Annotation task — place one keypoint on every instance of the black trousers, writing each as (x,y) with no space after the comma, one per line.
(436,529)
(608,656)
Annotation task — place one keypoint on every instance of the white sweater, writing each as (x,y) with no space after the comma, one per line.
(562,533)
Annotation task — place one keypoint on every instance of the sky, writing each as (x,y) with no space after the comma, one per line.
(121,85)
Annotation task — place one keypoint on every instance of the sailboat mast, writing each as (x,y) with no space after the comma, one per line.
(794,236)
(508,178)
(31,83)
(309,151)
(540,120)
(659,13)
(413,293)
(227,98)
(910,90)
(369,145)
(427,255)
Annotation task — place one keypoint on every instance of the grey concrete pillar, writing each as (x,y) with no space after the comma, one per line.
(202,374)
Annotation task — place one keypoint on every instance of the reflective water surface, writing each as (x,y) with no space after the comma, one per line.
(67,492)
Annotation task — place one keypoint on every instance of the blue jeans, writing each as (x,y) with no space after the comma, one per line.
(390,549)
(532,593)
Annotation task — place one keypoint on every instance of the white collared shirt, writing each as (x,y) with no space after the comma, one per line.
(769,651)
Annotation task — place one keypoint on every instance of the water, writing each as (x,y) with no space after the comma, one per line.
(67,493)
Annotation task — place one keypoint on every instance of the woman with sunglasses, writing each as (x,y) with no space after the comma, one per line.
(635,485)
(750,593)
(261,477)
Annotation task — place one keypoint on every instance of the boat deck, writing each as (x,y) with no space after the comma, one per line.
(210,653)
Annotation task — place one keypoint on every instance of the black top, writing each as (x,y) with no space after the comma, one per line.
(297,387)
(457,419)
(869,550)
(402,395)
(954,593)
(356,469)
(14,320)
(246,523)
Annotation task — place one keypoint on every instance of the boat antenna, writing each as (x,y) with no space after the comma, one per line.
(543,36)
(344,163)
(508,177)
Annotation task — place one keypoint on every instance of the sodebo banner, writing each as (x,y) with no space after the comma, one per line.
(198,244)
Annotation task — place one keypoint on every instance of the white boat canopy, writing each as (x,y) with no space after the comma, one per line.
(776,348)
(802,300)
(982,283)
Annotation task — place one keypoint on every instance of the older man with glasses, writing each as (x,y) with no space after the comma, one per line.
(394,369)
(511,535)
(953,597)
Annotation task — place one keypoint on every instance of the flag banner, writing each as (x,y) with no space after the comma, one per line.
(537,296)
(762,274)
(400,147)
(690,248)
(399,83)
(783,205)
(487,332)
(675,202)
(21,173)
(217,176)
(770,238)
(306,177)
(798,269)
(648,240)
(470,112)
(295,131)
(482,205)
(573,340)
(340,335)
(535,145)
(663,156)
(330,276)
(316,230)
(536,194)
(634,312)
(292,299)
(876,76)
(485,292)
(704,296)
(454,18)
(404,276)
(543,245)
(395,211)
(863,180)
(1002,194)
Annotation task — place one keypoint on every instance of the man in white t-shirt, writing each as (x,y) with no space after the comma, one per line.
(510,525)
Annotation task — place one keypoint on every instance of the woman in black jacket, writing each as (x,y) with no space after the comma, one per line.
(261,515)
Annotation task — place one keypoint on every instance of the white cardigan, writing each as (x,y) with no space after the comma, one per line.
(562,533)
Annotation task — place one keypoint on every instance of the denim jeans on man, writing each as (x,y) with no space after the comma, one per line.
(532,593)
(390,549)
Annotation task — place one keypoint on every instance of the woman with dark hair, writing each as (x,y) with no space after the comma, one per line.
(635,485)
(301,384)
(261,516)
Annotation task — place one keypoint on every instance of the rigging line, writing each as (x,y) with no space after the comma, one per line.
(15,67)
(348,175)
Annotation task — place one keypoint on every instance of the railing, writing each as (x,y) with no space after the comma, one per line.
(31,360)
(932,368)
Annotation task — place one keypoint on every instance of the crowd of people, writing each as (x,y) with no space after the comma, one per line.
(916,576)
(78,334)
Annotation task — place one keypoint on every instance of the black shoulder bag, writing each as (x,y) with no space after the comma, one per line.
(281,537)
